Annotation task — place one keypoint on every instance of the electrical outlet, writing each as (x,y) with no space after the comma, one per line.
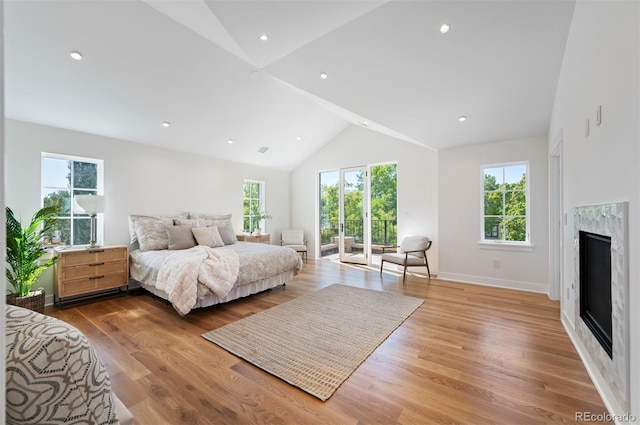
(496,264)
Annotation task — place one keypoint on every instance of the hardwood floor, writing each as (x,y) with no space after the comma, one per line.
(468,355)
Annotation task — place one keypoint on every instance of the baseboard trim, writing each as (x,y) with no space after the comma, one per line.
(541,288)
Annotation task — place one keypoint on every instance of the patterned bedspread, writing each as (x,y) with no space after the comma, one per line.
(256,262)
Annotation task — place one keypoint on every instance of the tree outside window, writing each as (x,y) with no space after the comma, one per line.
(62,178)
(253,205)
(505,214)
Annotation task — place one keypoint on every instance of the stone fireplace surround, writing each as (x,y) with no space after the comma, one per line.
(608,220)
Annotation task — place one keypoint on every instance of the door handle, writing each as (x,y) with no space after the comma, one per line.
(341,227)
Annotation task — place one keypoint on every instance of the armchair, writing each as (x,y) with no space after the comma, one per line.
(295,240)
(413,253)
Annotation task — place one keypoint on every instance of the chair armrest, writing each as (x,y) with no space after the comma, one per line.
(384,247)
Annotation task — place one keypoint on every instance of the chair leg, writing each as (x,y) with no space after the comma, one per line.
(404,275)
(381,262)
(426,262)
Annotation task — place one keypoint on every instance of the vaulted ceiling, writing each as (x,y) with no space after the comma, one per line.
(201,65)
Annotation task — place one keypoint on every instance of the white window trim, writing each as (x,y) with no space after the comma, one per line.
(99,190)
(500,244)
(261,200)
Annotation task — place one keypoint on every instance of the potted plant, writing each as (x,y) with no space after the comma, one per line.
(25,252)
(262,215)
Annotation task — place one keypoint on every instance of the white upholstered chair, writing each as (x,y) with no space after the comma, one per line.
(294,239)
(412,252)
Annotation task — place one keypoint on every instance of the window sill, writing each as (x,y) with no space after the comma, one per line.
(506,246)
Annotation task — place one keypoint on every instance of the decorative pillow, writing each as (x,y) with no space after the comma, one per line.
(193,222)
(53,373)
(152,235)
(223,222)
(210,216)
(228,234)
(180,237)
(208,236)
(134,218)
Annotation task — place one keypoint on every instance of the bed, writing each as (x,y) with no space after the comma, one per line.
(202,273)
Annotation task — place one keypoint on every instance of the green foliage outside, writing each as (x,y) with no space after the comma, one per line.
(85,181)
(505,209)
(25,248)
(383,206)
(253,215)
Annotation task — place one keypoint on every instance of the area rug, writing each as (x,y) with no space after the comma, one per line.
(317,341)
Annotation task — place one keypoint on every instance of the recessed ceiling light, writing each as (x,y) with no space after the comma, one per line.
(299,138)
(264,37)
(166,124)
(444,28)
(323,75)
(462,118)
(230,141)
(76,55)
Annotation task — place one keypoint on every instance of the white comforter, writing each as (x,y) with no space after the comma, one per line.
(181,271)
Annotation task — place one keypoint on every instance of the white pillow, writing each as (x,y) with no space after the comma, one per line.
(208,236)
(223,222)
(193,222)
(152,235)
(135,218)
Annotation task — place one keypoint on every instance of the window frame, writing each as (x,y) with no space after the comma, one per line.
(99,191)
(261,203)
(501,243)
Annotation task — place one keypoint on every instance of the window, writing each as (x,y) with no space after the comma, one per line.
(253,205)
(505,212)
(63,177)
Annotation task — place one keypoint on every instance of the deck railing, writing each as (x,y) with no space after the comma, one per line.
(383,232)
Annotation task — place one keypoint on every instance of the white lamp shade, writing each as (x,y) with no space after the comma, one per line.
(90,204)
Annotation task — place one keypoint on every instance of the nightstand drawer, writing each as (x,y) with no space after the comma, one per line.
(83,273)
(93,269)
(93,256)
(91,284)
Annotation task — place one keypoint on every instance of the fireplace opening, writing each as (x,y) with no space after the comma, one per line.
(595,287)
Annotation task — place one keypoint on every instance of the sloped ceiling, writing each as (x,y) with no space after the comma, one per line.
(201,66)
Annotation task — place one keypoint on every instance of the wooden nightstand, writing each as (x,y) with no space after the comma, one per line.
(262,238)
(86,272)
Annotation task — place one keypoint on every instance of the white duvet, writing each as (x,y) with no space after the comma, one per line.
(180,272)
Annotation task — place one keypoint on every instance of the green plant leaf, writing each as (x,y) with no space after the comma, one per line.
(25,250)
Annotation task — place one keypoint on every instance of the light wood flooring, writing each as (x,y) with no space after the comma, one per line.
(469,355)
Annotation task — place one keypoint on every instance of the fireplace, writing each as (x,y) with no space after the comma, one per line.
(595,287)
(601,321)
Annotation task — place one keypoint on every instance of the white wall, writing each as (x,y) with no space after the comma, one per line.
(417,182)
(459,205)
(601,67)
(3,235)
(138,179)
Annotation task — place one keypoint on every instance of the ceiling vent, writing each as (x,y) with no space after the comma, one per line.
(263,149)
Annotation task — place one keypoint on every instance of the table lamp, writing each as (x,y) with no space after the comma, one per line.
(92,205)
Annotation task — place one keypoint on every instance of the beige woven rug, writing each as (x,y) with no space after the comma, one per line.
(318,340)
